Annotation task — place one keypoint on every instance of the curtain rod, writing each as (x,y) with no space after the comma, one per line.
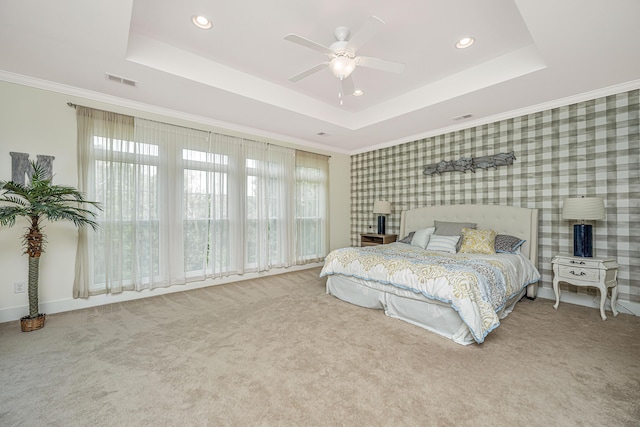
(72,105)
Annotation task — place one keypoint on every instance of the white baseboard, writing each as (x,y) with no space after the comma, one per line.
(622,306)
(70,304)
(60,306)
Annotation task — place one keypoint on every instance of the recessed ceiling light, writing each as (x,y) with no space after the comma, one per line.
(358,92)
(465,42)
(201,21)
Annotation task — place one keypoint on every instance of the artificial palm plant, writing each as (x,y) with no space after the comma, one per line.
(36,201)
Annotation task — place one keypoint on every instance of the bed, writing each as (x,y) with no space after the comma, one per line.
(461,296)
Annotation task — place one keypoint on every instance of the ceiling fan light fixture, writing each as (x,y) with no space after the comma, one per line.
(201,22)
(342,66)
(465,42)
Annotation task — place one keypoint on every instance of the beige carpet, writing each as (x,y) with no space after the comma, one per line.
(280,352)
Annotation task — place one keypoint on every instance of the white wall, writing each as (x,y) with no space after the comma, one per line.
(37,121)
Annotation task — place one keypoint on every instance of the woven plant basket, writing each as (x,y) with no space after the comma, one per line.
(28,324)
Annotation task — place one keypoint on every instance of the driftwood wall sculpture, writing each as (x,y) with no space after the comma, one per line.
(464,164)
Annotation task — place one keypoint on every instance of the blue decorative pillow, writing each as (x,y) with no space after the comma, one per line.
(407,238)
(508,244)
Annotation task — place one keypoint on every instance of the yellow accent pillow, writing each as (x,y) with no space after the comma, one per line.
(478,241)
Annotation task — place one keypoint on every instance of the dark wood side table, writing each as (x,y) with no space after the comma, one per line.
(372,239)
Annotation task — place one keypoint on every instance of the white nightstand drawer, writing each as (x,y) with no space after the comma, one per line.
(578,262)
(585,274)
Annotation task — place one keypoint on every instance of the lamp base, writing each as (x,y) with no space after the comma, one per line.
(381,229)
(583,240)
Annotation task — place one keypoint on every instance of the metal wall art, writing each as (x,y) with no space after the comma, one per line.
(21,170)
(464,164)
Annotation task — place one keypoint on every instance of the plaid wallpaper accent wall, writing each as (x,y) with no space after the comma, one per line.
(590,148)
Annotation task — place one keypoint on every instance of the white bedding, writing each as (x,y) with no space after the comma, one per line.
(476,286)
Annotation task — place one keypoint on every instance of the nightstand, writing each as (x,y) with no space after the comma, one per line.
(369,239)
(598,272)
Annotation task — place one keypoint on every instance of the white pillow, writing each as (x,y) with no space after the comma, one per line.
(443,243)
(421,237)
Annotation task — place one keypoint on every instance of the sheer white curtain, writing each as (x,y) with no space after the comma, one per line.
(260,208)
(183,205)
(96,129)
(212,180)
(160,188)
(312,207)
(282,207)
(132,173)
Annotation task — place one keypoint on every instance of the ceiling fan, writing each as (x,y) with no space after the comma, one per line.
(341,55)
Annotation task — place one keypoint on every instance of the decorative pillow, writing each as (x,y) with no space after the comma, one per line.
(443,243)
(508,244)
(407,238)
(478,241)
(444,228)
(421,237)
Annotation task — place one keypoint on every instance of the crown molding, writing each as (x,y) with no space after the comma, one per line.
(135,105)
(153,109)
(560,102)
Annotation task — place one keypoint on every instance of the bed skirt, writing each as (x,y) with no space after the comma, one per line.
(410,307)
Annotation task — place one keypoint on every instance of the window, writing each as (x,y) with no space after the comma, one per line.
(205,215)
(311,206)
(130,210)
(182,204)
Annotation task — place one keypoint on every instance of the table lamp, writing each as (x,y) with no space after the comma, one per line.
(381,208)
(583,208)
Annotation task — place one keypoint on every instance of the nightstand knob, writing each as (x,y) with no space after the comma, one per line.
(576,262)
(582,273)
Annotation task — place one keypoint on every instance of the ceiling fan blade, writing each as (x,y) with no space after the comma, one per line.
(380,64)
(370,28)
(307,73)
(308,43)
(347,86)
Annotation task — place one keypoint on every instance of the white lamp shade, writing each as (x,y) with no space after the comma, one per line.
(583,208)
(342,66)
(382,207)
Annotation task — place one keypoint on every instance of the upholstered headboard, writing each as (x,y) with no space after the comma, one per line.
(515,221)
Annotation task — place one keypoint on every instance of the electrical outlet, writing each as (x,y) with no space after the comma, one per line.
(19,288)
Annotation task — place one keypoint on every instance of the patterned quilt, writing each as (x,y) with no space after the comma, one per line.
(477,286)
